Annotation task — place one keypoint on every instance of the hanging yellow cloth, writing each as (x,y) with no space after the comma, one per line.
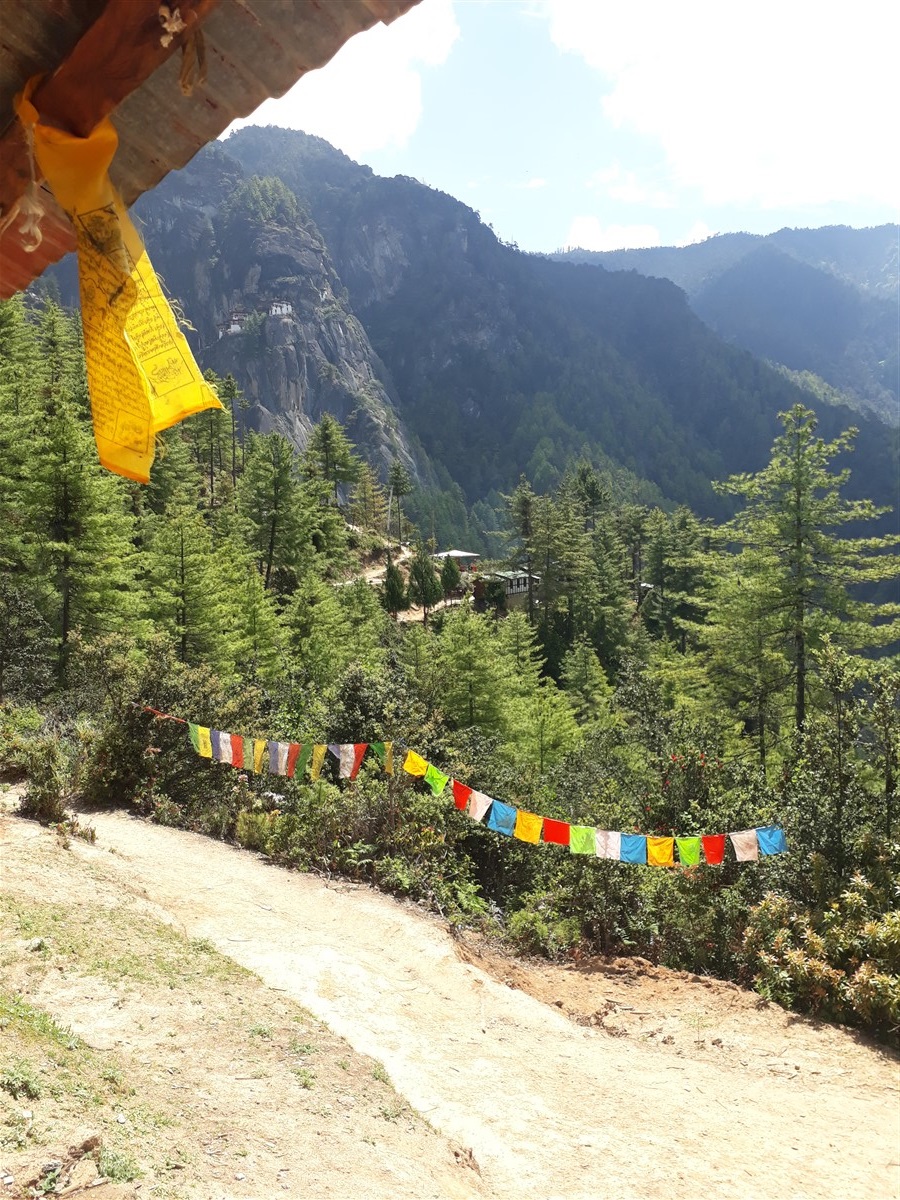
(415,764)
(318,758)
(142,376)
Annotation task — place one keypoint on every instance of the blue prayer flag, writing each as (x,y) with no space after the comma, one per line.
(634,848)
(215,740)
(502,818)
(771,840)
(273,757)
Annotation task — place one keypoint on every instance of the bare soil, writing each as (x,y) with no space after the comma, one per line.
(537,1081)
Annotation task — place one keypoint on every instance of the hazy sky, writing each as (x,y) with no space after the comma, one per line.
(582,122)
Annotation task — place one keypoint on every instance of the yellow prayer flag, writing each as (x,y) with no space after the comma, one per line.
(260,754)
(414,764)
(204,743)
(660,851)
(528,826)
(318,757)
(389,758)
(142,376)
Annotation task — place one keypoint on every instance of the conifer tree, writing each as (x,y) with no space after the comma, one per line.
(585,681)
(394,591)
(400,485)
(792,508)
(473,693)
(368,506)
(183,584)
(329,455)
(82,528)
(450,577)
(269,502)
(424,587)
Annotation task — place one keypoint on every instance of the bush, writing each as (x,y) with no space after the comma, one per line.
(841,962)
(137,759)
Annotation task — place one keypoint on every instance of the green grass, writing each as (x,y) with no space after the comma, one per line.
(119,1167)
(305,1077)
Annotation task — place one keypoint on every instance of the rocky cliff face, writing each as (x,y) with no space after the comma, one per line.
(267,305)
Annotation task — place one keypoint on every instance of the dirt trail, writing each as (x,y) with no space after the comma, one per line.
(549,1107)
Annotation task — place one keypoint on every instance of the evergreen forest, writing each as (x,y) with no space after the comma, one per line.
(664,672)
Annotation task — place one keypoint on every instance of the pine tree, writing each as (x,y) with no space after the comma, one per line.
(400,485)
(521,513)
(183,583)
(368,506)
(424,586)
(585,682)
(269,503)
(329,455)
(473,692)
(83,530)
(394,590)
(450,577)
(792,508)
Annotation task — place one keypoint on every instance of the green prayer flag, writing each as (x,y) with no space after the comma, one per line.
(436,779)
(302,760)
(583,839)
(195,737)
(688,851)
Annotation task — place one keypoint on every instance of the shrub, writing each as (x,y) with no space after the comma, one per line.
(841,962)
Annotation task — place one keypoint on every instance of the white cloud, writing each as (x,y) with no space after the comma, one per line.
(369,97)
(621,184)
(698,232)
(533,184)
(586,233)
(779,103)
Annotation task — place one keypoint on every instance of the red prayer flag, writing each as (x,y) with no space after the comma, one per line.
(293,754)
(237,750)
(556,831)
(359,753)
(461,795)
(714,848)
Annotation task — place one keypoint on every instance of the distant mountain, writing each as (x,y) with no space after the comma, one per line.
(818,300)
(437,343)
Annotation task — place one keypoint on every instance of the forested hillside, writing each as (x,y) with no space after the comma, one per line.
(394,307)
(822,301)
(662,674)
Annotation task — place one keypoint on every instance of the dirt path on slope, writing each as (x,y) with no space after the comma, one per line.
(550,1108)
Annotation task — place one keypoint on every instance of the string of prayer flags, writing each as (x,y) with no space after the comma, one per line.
(141,373)
(292,758)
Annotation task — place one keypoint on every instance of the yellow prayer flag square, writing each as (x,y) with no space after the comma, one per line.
(528,826)
(414,764)
(660,851)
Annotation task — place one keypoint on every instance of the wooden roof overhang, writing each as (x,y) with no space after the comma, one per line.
(116,58)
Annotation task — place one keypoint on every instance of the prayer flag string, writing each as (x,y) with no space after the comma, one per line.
(291,759)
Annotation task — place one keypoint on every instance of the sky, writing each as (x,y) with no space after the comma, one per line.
(584,123)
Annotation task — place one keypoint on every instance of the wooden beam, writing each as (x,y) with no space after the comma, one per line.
(115,55)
